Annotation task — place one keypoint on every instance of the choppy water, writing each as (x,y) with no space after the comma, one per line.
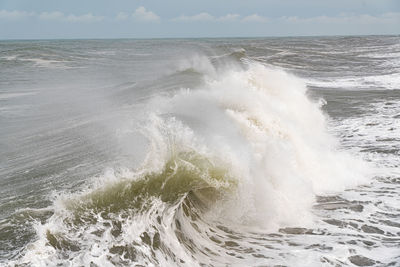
(200,152)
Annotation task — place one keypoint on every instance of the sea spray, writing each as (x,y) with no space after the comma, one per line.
(247,151)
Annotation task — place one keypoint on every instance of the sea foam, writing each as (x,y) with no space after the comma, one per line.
(248,150)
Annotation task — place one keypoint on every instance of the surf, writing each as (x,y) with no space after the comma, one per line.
(246,151)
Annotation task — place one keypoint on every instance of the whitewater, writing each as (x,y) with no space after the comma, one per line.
(240,152)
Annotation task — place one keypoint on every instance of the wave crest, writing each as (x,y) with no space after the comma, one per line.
(248,150)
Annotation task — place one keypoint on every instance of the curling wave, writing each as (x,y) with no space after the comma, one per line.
(247,151)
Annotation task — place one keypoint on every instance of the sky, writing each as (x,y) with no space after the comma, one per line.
(59,19)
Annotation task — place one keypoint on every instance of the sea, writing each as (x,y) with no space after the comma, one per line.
(200,152)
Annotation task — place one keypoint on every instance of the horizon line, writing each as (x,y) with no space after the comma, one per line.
(203,37)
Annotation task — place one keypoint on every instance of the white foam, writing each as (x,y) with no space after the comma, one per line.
(8,95)
(198,63)
(273,138)
(46,63)
(9,58)
(386,81)
(260,125)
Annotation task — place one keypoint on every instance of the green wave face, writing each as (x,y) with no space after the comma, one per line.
(186,179)
(183,173)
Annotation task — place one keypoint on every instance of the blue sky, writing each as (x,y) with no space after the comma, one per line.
(38,19)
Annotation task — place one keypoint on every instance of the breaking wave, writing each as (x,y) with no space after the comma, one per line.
(247,151)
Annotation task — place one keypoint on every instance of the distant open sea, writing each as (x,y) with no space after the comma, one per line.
(200,152)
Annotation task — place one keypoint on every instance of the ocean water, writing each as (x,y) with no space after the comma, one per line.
(200,152)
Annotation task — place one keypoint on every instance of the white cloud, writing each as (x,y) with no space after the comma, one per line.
(89,17)
(207,17)
(229,17)
(145,15)
(199,17)
(386,18)
(254,18)
(204,17)
(56,15)
(122,16)
(15,15)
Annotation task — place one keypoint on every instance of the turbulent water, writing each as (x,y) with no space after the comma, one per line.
(200,152)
